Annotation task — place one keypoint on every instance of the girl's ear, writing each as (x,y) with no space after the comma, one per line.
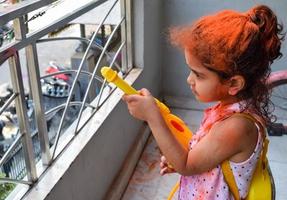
(236,84)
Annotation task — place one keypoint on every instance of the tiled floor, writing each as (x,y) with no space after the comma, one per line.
(147,184)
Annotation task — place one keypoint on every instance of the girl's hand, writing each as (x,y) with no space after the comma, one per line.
(165,167)
(142,106)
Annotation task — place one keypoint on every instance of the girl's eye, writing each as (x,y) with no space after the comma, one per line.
(197,75)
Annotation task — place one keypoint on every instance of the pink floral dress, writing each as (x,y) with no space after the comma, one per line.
(211,184)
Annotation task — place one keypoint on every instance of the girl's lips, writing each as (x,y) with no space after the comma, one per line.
(193,90)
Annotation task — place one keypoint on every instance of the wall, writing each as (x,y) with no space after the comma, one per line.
(93,170)
(180,12)
(147,48)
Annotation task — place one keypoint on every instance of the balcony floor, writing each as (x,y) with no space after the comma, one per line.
(146,182)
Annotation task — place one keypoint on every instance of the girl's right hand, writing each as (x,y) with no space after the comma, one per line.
(165,168)
(142,106)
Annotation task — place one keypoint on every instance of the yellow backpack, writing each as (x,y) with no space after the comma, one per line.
(262,184)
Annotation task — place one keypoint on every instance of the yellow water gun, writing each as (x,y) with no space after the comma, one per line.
(177,127)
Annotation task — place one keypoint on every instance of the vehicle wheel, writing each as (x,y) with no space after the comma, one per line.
(278,85)
(1,41)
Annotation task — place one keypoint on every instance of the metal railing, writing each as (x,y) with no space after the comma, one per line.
(30,145)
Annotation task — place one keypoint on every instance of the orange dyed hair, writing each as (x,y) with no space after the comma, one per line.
(234,43)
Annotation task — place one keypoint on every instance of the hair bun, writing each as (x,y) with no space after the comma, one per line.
(260,15)
(270,31)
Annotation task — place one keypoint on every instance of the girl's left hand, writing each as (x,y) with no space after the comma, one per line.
(165,168)
(141,106)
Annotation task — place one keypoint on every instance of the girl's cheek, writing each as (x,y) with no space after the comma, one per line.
(220,90)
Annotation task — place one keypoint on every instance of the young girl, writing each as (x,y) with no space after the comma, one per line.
(229,55)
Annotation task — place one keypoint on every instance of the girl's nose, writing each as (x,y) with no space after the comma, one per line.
(190,79)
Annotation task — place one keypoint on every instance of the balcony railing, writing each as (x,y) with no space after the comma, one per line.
(32,143)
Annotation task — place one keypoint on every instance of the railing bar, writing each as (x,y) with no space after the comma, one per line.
(128,34)
(123,36)
(116,55)
(36,91)
(20,28)
(7,103)
(13,174)
(59,107)
(9,180)
(94,72)
(101,93)
(43,40)
(16,77)
(17,167)
(23,165)
(5,54)
(20,9)
(10,149)
(76,78)
(111,64)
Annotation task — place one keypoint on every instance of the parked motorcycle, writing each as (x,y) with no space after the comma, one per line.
(6,33)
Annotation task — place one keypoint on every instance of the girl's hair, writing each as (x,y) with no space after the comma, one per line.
(233,43)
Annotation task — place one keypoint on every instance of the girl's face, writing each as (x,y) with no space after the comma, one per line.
(205,84)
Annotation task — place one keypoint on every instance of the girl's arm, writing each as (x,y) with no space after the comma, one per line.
(234,138)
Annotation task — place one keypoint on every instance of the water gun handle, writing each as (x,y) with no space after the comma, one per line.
(178,128)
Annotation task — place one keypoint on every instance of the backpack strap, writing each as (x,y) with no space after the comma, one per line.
(264,135)
(230,180)
(225,166)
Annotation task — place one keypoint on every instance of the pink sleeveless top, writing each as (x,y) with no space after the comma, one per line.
(211,185)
